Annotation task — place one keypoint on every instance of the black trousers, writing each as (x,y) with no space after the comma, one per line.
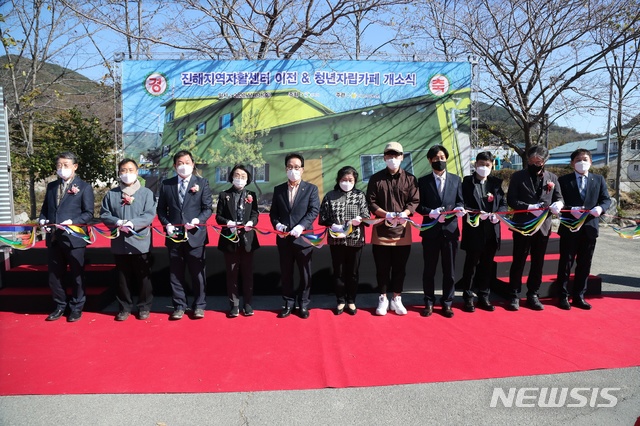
(432,248)
(239,263)
(291,255)
(478,269)
(536,245)
(59,256)
(134,273)
(578,248)
(182,255)
(346,264)
(391,266)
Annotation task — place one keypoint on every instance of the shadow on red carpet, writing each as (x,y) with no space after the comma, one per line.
(98,355)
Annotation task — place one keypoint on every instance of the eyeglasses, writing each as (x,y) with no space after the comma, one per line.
(294,167)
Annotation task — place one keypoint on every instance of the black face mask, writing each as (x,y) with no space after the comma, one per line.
(534,170)
(439,165)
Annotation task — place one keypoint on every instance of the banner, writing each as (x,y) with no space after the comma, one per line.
(334,113)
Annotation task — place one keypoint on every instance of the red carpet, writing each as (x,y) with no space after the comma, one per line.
(98,355)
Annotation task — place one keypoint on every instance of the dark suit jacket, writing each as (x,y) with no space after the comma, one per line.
(196,204)
(227,211)
(522,192)
(476,238)
(430,199)
(596,195)
(78,207)
(304,211)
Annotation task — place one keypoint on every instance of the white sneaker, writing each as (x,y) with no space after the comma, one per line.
(383,305)
(396,305)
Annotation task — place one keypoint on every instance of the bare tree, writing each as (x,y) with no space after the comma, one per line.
(536,55)
(35,35)
(622,67)
(233,29)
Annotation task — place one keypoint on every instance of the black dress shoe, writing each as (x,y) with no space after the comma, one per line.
(338,311)
(303,313)
(534,303)
(514,305)
(427,311)
(177,315)
(485,305)
(468,306)
(122,315)
(55,315)
(285,312)
(447,312)
(563,303)
(579,302)
(74,316)
(143,315)
(350,311)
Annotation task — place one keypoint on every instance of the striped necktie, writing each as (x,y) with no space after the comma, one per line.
(583,187)
(182,191)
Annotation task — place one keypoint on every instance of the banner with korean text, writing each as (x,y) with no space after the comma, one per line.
(335,113)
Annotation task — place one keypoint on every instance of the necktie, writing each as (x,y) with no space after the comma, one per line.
(63,190)
(440,185)
(182,191)
(583,186)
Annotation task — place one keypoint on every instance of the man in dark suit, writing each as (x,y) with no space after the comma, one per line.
(533,189)
(440,192)
(294,208)
(581,191)
(68,200)
(481,192)
(184,205)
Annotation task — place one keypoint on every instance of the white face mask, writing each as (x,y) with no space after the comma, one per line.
(393,163)
(239,183)
(294,175)
(483,171)
(184,170)
(582,166)
(64,173)
(346,186)
(128,178)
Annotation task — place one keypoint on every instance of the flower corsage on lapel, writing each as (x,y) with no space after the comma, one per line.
(490,197)
(195,188)
(549,186)
(127,200)
(73,190)
(248,199)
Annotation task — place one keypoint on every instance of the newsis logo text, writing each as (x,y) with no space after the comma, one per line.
(552,397)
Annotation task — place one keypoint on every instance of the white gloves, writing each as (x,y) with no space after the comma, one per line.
(43,222)
(281,228)
(248,226)
(460,211)
(337,228)
(390,215)
(402,217)
(534,209)
(556,207)
(66,222)
(433,214)
(596,211)
(232,226)
(126,226)
(494,218)
(296,231)
(484,215)
(356,221)
(575,212)
(192,224)
(442,218)
(170,229)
